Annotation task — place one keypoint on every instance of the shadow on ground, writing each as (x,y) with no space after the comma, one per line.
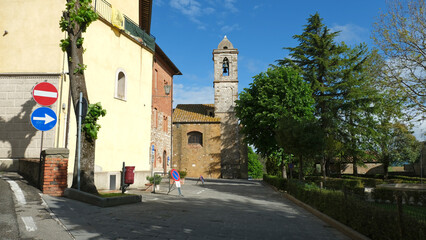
(221,211)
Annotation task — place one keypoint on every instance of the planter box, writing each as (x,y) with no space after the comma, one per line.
(100,201)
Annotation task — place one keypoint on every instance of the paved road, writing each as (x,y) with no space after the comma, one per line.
(22,213)
(223,209)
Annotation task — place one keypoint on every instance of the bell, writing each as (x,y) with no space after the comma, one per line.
(225,64)
(225,70)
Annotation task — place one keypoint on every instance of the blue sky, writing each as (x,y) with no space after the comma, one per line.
(189,30)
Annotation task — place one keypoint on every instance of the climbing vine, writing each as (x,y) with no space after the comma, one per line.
(90,125)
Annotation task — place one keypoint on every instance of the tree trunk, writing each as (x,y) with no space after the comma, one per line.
(327,167)
(284,168)
(385,168)
(323,171)
(355,166)
(284,171)
(301,177)
(77,85)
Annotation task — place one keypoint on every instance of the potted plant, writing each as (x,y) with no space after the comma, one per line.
(157,179)
(182,175)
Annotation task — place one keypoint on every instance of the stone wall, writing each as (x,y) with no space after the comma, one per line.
(18,138)
(225,95)
(230,145)
(369,168)
(30,170)
(197,160)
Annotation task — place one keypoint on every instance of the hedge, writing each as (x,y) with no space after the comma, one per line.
(362,216)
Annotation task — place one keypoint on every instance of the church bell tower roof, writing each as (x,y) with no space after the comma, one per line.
(225,44)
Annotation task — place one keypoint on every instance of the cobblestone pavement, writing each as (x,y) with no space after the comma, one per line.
(219,209)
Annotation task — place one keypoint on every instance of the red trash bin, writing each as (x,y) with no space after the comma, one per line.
(129,176)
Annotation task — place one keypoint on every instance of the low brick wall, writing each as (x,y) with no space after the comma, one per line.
(55,168)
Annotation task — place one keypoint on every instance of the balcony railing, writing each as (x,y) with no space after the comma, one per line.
(104,10)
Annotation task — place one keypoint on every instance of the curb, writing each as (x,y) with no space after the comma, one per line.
(100,201)
(330,221)
(54,217)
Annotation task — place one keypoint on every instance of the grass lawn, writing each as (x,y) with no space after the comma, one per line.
(417,212)
(107,195)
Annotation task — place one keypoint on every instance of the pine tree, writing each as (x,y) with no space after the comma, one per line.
(340,79)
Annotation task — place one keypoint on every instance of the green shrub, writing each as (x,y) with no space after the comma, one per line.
(158,179)
(275,181)
(383,195)
(182,173)
(255,168)
(364,217)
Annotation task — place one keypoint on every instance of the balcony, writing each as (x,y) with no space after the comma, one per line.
(104,10)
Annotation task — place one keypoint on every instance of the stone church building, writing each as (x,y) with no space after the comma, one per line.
(206,137)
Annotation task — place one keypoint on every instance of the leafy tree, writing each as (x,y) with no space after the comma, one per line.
(301,137)
(400,34)
(78,16)
(278,92)
(275,162)
(395,145)
(339,77)
(255,168)
(359,105)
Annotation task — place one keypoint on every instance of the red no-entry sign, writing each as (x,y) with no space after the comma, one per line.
(45,94)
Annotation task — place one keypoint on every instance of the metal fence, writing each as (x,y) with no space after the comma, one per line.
(104,10)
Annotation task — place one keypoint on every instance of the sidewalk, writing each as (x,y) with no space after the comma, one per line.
(23,214)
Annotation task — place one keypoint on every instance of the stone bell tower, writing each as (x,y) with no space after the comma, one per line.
(225,58)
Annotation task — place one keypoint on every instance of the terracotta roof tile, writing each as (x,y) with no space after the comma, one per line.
(194,113)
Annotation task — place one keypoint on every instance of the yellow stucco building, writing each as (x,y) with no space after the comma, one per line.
(119,75)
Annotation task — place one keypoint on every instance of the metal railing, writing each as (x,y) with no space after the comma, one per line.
(104,10)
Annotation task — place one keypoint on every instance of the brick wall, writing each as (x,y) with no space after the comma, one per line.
(161,112)
(55,168)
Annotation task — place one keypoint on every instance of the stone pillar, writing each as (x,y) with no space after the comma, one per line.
(54,171)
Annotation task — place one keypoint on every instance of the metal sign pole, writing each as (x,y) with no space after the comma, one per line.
(79,139)
(40,161)
(123,172)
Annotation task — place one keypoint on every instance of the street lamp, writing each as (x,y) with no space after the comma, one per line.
(167,89)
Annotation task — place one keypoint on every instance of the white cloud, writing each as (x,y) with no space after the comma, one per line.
(159,2)
(419,128)
(349,33)
(192,94)
(192,9)
(229,5)
(230,28)
(253,66)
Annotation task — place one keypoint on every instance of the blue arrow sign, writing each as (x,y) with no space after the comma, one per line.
(43,119)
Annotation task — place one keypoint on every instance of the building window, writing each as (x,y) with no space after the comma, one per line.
(155,116)
(120,85)
(195,138)
(155,79)
(165,124)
